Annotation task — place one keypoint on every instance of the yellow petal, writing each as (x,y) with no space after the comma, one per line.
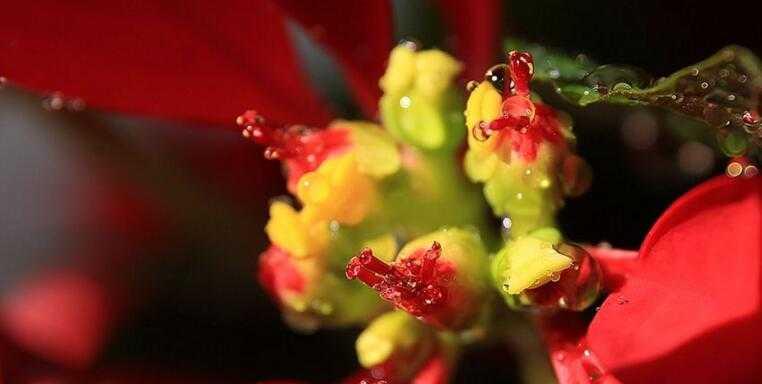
(400,72)
(393,333)
(532,262)
(434,73)
(484,104)
(294,233)
(337,190)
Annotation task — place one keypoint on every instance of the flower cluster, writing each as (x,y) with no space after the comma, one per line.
(391,208)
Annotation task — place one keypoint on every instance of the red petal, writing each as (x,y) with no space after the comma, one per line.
(615,263)
(184,60)
(477,33)
(689,312)
(63,317)
(564,335)
(359,33)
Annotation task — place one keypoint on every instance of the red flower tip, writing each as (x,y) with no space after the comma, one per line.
(281,141)
(278,274)
(417,284)
(527,124)
(302,148)
(522,70)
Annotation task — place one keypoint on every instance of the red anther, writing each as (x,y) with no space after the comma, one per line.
(417,284)
(521,65)
(281,141)
(302,148)
(429,261)
(373,263)
(513,122)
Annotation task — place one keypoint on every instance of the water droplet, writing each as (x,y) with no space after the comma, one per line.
(694,72)
(750,171)
(3,82)
(554,73)
(506,223)
(405,102)
(411,44)
(519,196)
(334,226)
(749,119)
(76,105)
(734,169)
(479,132)
(471,85)
(555,277)
(724,72)
(54,102)
(704,85)
(622,300)
(731,97)
(742,78)
(496,76)
(559,356)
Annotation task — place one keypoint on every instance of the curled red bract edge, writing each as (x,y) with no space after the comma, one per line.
(687,309)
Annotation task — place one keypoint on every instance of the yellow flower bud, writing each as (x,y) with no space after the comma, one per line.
(293,232)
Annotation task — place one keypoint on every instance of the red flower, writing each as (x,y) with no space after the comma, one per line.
(686,308)
(208,62)
(200,62)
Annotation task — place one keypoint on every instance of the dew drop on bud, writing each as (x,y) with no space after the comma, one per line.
(411,44)
(480,132)
(575,288)
(3,82)
(471,85)
(506,223)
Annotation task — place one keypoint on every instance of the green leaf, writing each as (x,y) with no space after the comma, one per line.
(723,91)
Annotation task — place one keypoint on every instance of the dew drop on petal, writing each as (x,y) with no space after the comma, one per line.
(54,102)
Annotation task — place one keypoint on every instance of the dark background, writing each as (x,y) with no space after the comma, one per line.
(207,315)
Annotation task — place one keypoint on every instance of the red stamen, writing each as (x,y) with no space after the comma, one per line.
(281,141)
(429,261)
(373,263)
(417,284)
(522,70)
(302,148)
